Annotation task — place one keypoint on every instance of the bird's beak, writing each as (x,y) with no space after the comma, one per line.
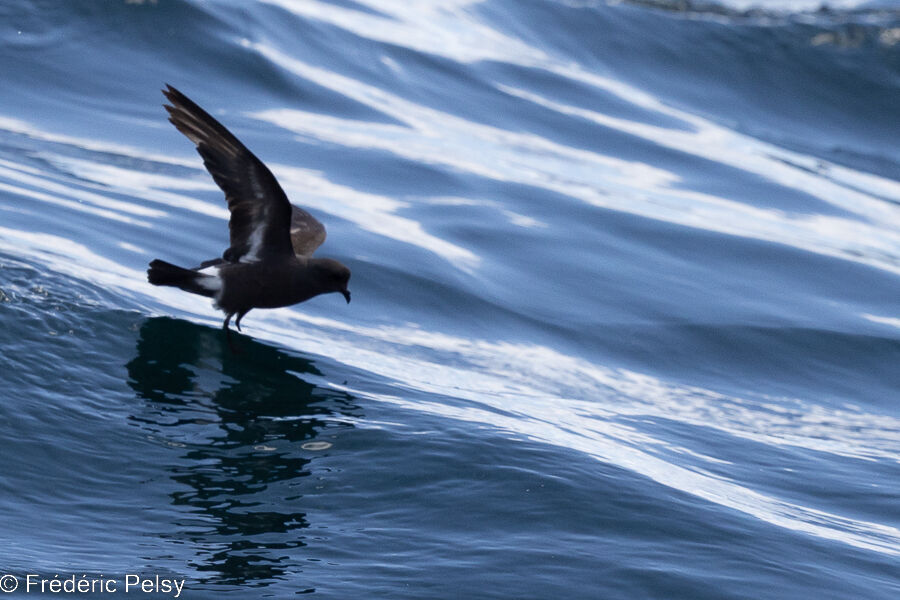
(346,294)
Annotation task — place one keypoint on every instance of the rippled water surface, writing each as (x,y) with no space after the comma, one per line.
(626,300)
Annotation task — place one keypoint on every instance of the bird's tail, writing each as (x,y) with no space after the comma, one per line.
(163,273)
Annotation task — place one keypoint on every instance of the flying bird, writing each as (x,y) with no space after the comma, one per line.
(269,263)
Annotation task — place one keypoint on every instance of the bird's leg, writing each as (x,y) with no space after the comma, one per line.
(239,317)
(228,332)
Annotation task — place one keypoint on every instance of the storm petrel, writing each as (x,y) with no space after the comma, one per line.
(269,263)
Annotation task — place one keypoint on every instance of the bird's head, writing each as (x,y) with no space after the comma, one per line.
(332,276)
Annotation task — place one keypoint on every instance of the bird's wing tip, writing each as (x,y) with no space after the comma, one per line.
(172,93)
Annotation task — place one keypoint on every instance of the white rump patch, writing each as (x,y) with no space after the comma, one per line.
(211,279)
(213,284)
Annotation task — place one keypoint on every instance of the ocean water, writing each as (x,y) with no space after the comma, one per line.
(625,318)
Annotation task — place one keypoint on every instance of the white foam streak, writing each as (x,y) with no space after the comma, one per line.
(599,443)
(370,212)
(70,204)
(152,187)
(23,128)
(76,260)
(104,178)
(66,256)
(21,174)
(445,28)
(431,136)
(707,140)
(533,391)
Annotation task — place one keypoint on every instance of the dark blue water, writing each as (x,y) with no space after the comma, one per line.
(626,301)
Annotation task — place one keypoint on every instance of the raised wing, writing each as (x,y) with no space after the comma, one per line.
(307,233)
(260,223)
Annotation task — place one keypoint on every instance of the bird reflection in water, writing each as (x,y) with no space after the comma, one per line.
(245,429)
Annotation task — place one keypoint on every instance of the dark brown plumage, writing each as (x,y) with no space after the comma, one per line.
(269,263)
